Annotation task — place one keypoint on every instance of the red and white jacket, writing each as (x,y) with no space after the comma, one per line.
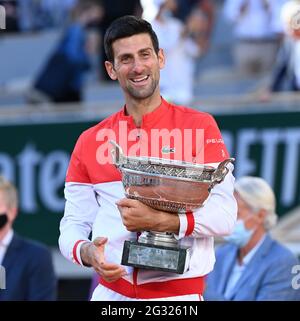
(93,186)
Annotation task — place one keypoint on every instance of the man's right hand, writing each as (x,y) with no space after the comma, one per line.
(92,254)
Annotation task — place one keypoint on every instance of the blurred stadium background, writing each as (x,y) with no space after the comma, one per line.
(36,140)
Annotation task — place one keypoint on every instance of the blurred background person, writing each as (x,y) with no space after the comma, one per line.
(183,10)
(28,264)
(37,15)
(55,13)
(257,33)
(12,20)
(114,9)
(182,45)
(62,78)
(252,266)
(286,72)
(207,7)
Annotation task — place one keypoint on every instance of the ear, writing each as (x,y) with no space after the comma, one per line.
(161,58)
(261,215)
(110,70)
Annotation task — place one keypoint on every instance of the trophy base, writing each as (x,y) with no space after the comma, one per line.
(155,257)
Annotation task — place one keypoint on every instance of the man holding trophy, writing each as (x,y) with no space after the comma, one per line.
(153,183)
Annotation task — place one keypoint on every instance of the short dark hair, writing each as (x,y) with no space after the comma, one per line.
(124,27)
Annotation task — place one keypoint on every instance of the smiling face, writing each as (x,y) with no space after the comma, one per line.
(136,66)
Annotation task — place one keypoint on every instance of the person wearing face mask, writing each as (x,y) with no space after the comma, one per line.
(29,273)
(252,266)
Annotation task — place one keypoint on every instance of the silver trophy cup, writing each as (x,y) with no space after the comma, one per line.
(167,185)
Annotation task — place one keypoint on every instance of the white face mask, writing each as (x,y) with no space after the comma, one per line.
(240,235)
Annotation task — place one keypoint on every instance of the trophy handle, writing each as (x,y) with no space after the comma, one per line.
(220,173)
(117,153)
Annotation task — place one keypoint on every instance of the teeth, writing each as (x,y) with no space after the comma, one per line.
(140,79)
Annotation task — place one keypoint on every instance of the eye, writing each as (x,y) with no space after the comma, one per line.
(125,59)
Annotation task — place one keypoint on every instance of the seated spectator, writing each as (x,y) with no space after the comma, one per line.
(252,266)
(29,273)
(61,80)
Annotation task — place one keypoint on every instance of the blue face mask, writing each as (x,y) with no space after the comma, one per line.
(240,235)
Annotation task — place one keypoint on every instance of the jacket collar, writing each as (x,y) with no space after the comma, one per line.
(7,239)
(261,252)
(11,252)
(149,119)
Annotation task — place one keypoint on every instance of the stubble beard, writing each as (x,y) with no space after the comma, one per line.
(143,93)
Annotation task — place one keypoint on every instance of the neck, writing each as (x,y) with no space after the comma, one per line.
(138,108)
(256,237)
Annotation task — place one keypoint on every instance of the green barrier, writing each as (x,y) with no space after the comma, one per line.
(36,157)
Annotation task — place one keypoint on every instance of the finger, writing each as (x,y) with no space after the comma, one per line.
(114,273)
(126,202)
(121,208)
(100,244)
(109,278)
(110,267)
(101,259)
(112,279)
(98,241)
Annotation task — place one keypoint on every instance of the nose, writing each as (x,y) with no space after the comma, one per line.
(138,66)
